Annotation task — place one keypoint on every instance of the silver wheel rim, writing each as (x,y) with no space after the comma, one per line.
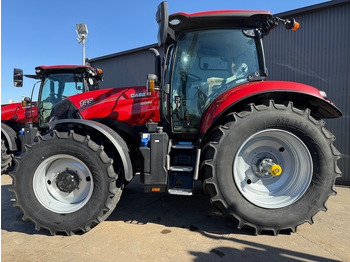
(266,190)
(50,195)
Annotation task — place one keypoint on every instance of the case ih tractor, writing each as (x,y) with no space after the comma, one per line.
(259,147)
(56,83)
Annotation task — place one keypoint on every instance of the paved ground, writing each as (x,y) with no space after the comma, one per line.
(161,227)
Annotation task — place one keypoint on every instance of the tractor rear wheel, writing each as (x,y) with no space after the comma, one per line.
(65,183)
(270,167)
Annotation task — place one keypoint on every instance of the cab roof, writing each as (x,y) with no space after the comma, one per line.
(219,19)
(45,68)
(42,70)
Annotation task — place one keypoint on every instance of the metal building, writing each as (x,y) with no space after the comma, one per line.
(128,68)
(318,54)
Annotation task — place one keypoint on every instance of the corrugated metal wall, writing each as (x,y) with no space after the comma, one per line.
(318,54)
(126,68)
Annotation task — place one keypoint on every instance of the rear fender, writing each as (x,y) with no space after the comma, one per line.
(112,136)
(10,135)
(257,92)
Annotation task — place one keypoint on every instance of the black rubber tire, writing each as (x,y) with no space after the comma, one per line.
(105,190)
(6,158)
(225,140)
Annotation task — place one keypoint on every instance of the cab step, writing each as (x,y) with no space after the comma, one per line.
(180,191)
(182,158)
(181,168)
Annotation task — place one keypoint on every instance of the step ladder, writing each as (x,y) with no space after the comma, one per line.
(181,162)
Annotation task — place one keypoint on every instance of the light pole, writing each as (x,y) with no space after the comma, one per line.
(82,32)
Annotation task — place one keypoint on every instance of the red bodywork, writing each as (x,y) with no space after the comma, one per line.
(134,106)
(239,93)
(130,105)
(17,113)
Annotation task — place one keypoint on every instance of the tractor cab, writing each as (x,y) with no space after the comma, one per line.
(206,64)
(59,82)
(203,59)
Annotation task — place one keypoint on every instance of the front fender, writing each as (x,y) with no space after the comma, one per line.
(10,135)
(111,135)
(255,92)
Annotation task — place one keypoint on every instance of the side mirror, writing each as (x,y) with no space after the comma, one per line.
(162,19)
(18,77)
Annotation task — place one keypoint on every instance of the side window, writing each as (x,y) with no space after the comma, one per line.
(45,92)
(72,88)
(72,85)
(49,97)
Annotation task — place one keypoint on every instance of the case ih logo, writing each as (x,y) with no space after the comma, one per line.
(87,101)
(138,95)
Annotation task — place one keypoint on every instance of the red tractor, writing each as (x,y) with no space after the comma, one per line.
(56,83)
(259,147)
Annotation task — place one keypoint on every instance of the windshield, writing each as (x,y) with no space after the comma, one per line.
(57,87)
(207,64)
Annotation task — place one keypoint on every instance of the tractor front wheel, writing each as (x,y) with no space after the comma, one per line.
(65,183)
(6,157)
(271,167)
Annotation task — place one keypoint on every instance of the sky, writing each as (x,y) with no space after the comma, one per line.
(42,32)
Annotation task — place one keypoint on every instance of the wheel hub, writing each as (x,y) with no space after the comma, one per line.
(268,167)
(67,181)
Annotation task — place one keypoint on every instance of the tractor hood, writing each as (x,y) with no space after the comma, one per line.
(17,113)
(130,105)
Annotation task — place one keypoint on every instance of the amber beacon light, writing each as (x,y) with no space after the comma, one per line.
(292,24)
